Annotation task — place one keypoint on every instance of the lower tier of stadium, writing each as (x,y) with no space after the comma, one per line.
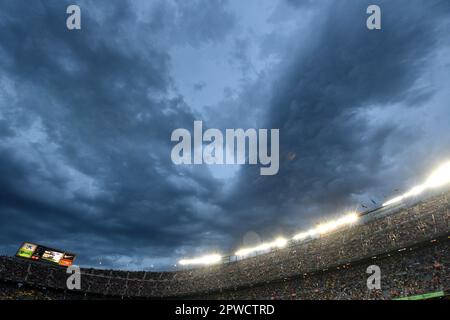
(410,245)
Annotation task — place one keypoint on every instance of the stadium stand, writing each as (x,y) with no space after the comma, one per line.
(410,244)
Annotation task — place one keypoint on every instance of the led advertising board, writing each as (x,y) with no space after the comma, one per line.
(37,252)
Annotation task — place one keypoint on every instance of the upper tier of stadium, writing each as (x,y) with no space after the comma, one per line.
(439,178)
(378,236)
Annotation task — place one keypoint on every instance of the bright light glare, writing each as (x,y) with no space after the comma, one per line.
(415,191)
(303,235)
(210,259)
(328,226)
(278,243)
(438,178)
(332,225)
(392,201)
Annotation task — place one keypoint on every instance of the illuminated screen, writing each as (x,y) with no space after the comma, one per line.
(27,250)
(52,256)
(67,259)
(36,252)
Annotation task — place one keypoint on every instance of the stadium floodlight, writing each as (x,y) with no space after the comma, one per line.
(328,226)
(281,243)
(394,200)
(415,191)
(278,243)
(332,225)
(205,260)
(303,235)
(439,178)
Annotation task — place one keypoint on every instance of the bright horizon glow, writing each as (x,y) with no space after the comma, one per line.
(439,178)
(206,260)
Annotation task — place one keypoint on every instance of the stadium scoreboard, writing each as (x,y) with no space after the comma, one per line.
(41,253)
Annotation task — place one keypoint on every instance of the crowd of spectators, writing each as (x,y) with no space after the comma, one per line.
(407,273)
(328,267)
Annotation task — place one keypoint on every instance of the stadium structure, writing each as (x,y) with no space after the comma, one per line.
(409,240)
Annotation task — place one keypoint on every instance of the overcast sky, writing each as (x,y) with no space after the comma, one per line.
(86,118)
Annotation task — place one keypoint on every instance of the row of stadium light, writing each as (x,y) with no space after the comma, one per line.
(277,243)
(438,178)
(209,259)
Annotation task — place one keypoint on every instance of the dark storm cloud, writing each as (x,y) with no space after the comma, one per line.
(86,135)
(330,154)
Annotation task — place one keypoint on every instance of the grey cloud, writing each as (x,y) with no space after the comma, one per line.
(342,71)
(193,23)
(92,119)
